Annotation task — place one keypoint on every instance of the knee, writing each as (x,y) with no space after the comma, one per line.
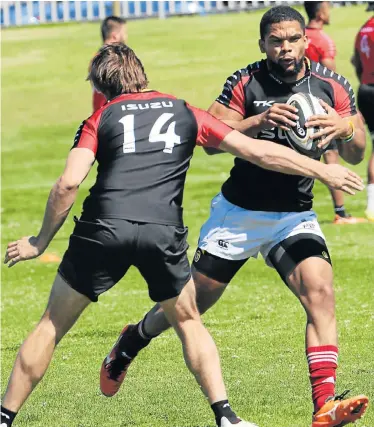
(50,328)
(319,297)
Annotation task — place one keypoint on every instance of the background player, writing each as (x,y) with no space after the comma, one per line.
(139,139)
(363,61)
(321,48)
(264,212)
(113,30)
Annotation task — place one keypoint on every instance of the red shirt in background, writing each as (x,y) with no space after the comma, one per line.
(98,99)
(321,46)
(365,47)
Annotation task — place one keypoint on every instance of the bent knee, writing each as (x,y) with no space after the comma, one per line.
(319,297)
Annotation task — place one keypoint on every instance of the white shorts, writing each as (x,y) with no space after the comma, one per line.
(235,233)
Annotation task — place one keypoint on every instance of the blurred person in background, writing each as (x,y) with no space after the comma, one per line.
(113,30)
(363,61)
(321,48)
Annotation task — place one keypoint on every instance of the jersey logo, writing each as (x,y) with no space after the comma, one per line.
(223,244)
(147,106)
(263,103)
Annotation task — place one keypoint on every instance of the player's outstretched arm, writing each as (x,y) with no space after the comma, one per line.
(60,201)
(275,157)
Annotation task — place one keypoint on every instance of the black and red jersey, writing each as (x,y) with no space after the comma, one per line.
(364,44)
(251,91)
(143,143)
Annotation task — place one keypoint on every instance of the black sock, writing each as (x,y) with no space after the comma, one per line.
(223,409)
(340,210)
(7,417)
(134,340)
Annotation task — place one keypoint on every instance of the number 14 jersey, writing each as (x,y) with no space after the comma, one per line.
(143,143)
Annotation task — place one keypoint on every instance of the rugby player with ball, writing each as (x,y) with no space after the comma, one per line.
(260,211)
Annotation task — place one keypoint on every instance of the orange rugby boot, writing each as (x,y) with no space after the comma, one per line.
(344,220)
(338,411)
(114,369)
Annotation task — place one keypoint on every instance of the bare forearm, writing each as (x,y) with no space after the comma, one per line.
(353,152)
(60,201)
(273,156)
(250,126)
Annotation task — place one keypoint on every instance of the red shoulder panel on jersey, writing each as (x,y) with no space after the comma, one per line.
(233,93)
(344,97)
(210,131)
(86,136)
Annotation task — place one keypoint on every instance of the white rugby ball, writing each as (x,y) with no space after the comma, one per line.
(299,136)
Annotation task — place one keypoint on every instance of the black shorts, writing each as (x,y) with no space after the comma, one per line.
(365,101)
(101,251)
(284,257)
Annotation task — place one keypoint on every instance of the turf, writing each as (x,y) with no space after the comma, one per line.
(258,325)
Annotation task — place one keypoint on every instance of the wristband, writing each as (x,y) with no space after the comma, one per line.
(351,136)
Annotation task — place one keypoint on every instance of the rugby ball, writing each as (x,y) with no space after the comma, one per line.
(299,136)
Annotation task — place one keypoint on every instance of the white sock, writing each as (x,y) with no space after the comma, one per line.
(370,192)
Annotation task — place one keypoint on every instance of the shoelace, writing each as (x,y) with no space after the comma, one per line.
(117,366)
(339,396)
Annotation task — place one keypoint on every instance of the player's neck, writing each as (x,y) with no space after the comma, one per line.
(291,79)
(316,24)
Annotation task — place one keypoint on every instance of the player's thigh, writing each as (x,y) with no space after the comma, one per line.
(312,281)
(161,257)
(297,237)
(365,101)
(64,307)
(99,254)
(304,264)
(212,272)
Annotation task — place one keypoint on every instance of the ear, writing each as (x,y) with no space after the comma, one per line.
(306,40)
(261,45)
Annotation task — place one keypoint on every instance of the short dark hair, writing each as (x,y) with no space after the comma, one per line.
(110,24)
(311,8)
(116,70)
(279,14)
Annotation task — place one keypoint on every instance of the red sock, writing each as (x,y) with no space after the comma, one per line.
(323,361)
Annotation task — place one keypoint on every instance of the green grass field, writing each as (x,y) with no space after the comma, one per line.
(258,325)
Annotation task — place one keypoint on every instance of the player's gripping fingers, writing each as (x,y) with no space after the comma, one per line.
(286,107)
(322,132)
(318,120)
(281,120)
(284,110)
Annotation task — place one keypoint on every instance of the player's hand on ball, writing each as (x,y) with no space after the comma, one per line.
(22,250)
(279,115)
(333,126)
(340,178)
